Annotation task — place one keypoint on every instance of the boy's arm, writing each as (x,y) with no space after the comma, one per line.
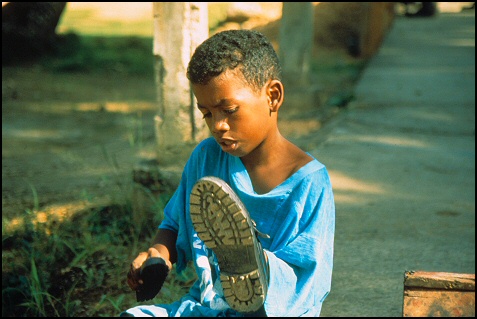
(165,244)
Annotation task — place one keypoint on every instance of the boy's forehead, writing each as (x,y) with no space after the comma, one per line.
(224,89)
(233,78)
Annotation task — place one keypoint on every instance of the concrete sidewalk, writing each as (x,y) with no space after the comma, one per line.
(402,163)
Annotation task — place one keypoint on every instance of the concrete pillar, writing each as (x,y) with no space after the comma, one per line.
(179,27)
(296,37)
(296,43)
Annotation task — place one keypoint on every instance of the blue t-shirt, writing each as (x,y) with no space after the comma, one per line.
(299,217)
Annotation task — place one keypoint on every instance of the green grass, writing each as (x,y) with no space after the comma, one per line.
(76,267)
(128,55)
(89,43)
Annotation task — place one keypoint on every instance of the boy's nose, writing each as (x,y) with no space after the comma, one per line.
(221,125)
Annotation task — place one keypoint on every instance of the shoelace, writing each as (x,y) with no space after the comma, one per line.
(259,233)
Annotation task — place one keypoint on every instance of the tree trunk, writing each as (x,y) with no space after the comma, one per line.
(28,29)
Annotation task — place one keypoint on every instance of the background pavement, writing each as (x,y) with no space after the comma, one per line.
(402,163)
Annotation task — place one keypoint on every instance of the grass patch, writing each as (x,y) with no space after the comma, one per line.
(127,55)
(76,267)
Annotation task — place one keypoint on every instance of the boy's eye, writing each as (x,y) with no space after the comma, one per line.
(225,111)
(231,111)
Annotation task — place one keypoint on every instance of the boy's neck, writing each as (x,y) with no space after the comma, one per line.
(266,153)
(272,163)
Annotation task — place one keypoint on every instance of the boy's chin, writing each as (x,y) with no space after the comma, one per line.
(233,149)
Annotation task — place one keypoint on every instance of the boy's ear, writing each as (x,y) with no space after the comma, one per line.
(275,95)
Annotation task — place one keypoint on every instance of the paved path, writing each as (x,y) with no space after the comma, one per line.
(402,162)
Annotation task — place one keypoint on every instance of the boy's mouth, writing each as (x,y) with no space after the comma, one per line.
(228,145)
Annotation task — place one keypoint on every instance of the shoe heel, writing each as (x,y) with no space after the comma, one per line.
(243,292)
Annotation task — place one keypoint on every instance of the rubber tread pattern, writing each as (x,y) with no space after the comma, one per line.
(223,223)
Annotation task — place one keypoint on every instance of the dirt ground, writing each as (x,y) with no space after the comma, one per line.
(68,137)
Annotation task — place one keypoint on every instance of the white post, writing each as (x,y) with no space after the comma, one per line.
(296,51)
(179,27)
(296,43)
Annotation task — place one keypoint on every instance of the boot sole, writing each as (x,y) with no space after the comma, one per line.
(223,223)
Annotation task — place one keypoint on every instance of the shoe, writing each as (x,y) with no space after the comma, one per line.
(224,225)
(153,274)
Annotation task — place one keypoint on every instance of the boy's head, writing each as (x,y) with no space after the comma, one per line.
(247,50)
(235,78)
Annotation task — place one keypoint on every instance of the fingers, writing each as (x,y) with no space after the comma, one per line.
(133,276)
(140,259)
(153,252)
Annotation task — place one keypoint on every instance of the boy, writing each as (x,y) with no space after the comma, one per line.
(253,211)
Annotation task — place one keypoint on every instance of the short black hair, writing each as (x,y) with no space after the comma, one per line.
(249,50)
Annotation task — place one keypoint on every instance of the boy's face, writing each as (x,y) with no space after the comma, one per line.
(238,116)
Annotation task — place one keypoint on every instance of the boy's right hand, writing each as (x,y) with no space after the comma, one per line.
(148,273)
